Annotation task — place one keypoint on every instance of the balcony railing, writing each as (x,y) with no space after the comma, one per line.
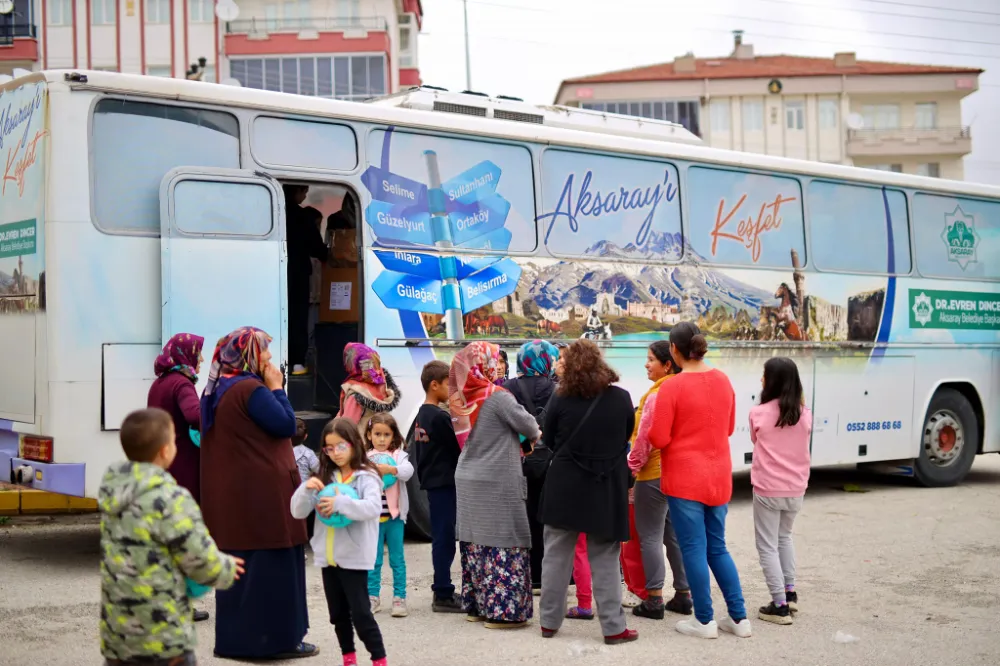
(257,25)
(909,141)
(911,133)
(8,31)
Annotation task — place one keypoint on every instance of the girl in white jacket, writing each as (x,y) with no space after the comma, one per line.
(384,442)
(346,554)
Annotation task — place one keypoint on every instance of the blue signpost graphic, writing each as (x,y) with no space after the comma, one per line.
(489,285)
(399,223)
(409,292)
(410,263)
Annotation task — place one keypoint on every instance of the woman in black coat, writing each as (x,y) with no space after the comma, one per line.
(587,426)
(532,388)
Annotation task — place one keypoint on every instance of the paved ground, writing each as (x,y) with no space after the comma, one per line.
(913,574)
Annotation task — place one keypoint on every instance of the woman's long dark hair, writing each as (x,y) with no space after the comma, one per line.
(782,383)
(347,431)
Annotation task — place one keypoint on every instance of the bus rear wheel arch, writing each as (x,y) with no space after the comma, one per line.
(950,436)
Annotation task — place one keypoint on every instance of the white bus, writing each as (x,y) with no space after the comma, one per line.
(136,207)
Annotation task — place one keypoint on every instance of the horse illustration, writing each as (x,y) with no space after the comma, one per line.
(546,327)
(495,324)
(474,324)
(784,319)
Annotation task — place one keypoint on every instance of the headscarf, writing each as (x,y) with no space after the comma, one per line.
(180,354)
(537,359)
(470,383)
(363,364)
(236,357)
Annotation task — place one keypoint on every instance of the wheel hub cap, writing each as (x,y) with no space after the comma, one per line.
(943,438)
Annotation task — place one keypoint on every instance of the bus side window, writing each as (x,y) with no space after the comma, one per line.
(849,228)
(957,237)
(213,208)
(744,218)
(135,144)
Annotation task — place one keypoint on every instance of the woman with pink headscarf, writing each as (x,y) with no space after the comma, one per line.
(369,388)
(493,531)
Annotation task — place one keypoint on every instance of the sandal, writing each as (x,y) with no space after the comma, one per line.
(577,613)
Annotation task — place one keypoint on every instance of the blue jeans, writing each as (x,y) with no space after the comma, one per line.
(701,532)
(444,512)
(390,532)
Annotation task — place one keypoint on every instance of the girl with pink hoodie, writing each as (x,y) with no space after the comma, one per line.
(385,449)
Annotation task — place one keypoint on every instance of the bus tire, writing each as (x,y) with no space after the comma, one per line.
(949,440)
(418,520)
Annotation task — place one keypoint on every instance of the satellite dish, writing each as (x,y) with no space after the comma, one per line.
(6,6)
(855,121)
(226,10)
(232,82)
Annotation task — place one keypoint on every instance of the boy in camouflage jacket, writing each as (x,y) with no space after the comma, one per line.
(152,537)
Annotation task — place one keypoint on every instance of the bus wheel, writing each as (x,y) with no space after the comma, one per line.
(949,440)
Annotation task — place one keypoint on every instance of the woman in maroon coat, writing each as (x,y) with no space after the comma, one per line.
(173,391)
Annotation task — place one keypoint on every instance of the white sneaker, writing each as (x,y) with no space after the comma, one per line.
(739,629)
(399,607)
(299,369)
(376,604)
(692,627)
(630,600)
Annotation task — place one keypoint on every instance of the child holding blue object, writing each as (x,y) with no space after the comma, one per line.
(346,554)
(385,449)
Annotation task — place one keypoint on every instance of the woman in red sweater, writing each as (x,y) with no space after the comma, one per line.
(695,414)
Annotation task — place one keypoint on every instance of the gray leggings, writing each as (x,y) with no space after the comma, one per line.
(652,522)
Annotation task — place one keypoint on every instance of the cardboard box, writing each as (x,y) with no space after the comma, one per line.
(339,295)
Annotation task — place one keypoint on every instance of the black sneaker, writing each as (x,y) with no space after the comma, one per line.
(451,605)
(775,614)
(650,609)
(200,616)
(681,604)
(793,601)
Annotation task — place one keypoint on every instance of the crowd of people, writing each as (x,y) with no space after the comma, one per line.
(545,479)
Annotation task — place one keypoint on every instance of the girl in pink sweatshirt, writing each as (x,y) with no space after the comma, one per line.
(780,428)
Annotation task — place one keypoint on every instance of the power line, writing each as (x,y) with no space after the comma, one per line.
(941,9)
(795,3)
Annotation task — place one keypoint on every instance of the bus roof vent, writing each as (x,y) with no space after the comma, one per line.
(427,98)
(464,109)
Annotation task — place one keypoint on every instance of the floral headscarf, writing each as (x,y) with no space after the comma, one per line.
(236,357)
(180,354)
(537,359)
(363,364)
(470,383)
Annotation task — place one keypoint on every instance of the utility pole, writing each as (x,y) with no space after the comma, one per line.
(468,66)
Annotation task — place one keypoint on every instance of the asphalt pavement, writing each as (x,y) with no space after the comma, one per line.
(894,575)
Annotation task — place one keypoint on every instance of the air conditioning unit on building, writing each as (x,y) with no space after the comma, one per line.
(429,98)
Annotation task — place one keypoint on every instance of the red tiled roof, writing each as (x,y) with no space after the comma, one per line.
(773,66)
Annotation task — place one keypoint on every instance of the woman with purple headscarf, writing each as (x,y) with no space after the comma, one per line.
(368,389)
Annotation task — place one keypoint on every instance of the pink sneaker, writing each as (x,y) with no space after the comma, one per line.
(379,662)
(351,659)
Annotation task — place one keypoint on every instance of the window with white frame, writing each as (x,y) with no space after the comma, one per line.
(930,169)
(344,77)
(103,12)
(881,116)
(753,115)
(60,12)
(157,11)
(682,113)
(201,11)
(828,114)
(161,71)
(719,116)
(894,168)
(926,115)
(407,41)
(348,9)
(795,115)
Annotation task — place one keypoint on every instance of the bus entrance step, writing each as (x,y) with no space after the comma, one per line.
(315,421)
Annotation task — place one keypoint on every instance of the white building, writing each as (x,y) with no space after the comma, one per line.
(352,49)
(891,116)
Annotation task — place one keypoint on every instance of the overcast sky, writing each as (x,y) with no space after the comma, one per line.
(525,48)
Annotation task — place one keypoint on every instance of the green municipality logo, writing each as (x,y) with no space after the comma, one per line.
(954,309)
(961,238)
(17,239)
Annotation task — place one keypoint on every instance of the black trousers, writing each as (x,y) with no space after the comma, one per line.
(537,532)
(298,320)
(444,508)
(350,610)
